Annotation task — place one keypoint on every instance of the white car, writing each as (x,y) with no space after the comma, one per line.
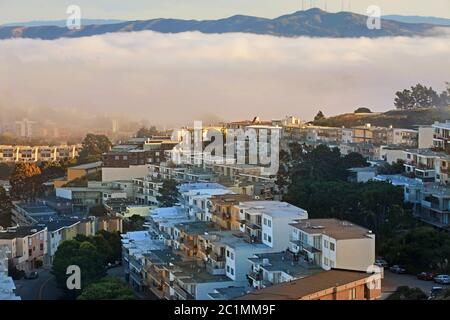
(442,279)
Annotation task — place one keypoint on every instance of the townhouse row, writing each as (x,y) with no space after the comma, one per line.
(38,153)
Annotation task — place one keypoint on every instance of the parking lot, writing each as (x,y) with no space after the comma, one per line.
(392,281)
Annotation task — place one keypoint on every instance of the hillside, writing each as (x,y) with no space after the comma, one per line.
(312,23)
(396,118)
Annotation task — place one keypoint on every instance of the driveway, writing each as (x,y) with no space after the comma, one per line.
(392,281)
(42,288)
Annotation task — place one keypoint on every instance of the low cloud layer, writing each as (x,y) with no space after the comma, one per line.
(174,79)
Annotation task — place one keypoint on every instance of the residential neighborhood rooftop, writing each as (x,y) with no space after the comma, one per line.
(297,289)
(20,232)
(338,229)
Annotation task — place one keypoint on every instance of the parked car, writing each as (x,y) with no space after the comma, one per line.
(435,292)
(397,269)
(31,275)
(427,276)
(442,279)
(381,263)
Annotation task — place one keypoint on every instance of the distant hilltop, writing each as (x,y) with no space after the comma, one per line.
(396,118)
(313,23)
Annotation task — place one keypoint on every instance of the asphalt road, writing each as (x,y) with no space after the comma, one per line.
(42,288)
(392,281)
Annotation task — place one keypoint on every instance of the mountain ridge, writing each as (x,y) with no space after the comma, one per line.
(311,23)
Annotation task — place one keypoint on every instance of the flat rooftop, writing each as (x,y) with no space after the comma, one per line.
(284,261)
(87,166)
(36,208)
(429,153)
(398,180)
(297,289)
(274,209)
(230,199)
(228,293)
(337,229)
(196,227)
(195,272)
(162,257)
(20,232)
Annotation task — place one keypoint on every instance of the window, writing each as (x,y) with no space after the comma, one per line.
(269,223)
(331,246)
(125,157)
(265,236)
(265,221)
(231,255)
(325,244)
(228,253)
(228,269)
(269,239)
(352,294)
(232,271)
(325,261)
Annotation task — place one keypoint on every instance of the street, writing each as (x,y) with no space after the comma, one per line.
(392,281)
(42,288)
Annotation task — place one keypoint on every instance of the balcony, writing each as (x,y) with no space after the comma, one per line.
(183,293)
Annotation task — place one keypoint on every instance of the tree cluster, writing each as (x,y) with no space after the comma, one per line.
(420,96)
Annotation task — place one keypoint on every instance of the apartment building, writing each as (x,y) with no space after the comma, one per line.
(186,236)
(329,285)
(196,198)
(7,286)
(38,153)
(441,135)
(403,137)
(424,164)
(130,160)
(58,231)
(333,244)
(27,245)
(268,222)
(134,246)
(79,171)
(433,204)
(224,210)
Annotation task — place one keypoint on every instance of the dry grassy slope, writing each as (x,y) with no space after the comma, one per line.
(396,118)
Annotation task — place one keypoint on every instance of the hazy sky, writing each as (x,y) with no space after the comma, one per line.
(173,79)
(26,10)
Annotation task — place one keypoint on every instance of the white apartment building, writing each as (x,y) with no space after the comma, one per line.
(195,198)
(332,243)
(268,221)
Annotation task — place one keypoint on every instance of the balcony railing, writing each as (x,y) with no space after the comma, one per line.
(183,292)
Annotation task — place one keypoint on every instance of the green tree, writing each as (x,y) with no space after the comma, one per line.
(107,289)
(404,100)
(6,169)
(363,110)
(394,168)
(419,249)
(407,293)
(25,181)
(5,208)
(354,160)
(419,96)
(93,148)
(134,223)
(168,194)
(319,116)
(82,254)
(147,132)
(97,211)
